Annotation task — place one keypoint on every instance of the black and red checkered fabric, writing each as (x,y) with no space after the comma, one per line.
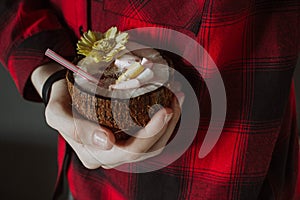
(254,43)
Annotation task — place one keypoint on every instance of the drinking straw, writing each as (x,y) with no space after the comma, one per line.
(54,56)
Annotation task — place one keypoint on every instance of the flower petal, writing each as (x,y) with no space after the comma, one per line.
(111,33)
(123,37)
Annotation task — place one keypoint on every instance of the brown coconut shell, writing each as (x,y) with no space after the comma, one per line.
(122,116)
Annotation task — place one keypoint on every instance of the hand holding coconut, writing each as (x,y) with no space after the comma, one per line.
(95,138)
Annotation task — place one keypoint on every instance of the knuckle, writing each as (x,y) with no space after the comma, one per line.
(76,137)
(90,165)
(107,166)
(49,117)
(158,152)
(51,110)
(132,157)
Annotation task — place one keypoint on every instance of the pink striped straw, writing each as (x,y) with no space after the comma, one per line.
(74,68)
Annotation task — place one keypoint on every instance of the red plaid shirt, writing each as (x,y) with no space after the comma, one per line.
(255,45)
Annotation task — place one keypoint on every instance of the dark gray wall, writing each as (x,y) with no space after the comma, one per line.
(27,146)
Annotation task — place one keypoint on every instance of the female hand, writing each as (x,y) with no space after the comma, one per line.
(95,145)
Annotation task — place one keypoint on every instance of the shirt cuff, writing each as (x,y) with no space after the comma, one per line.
(30,54)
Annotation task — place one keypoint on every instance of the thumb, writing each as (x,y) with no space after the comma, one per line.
(60,116)
(92,134)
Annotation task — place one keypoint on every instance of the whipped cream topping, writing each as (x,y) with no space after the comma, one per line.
(154,74)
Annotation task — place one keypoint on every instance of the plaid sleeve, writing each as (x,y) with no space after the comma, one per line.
(27,29)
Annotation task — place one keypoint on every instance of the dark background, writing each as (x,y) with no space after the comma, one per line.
(28,145)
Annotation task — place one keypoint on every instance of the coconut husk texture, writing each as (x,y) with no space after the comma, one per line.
(122,116)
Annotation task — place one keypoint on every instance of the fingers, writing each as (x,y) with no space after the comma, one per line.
(158,146)
(92,134)
(95,145)
(147,136)
(176,107)
(134,147)
(59,115)
(159,129)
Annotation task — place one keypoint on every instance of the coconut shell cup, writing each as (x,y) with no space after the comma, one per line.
(121,116)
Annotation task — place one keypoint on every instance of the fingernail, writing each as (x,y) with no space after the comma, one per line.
(100,140)
(168,117)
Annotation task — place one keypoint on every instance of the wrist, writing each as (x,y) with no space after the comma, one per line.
(47,87)
(42,73)
(60,93)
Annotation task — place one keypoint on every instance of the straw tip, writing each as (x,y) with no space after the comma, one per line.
(48,51)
